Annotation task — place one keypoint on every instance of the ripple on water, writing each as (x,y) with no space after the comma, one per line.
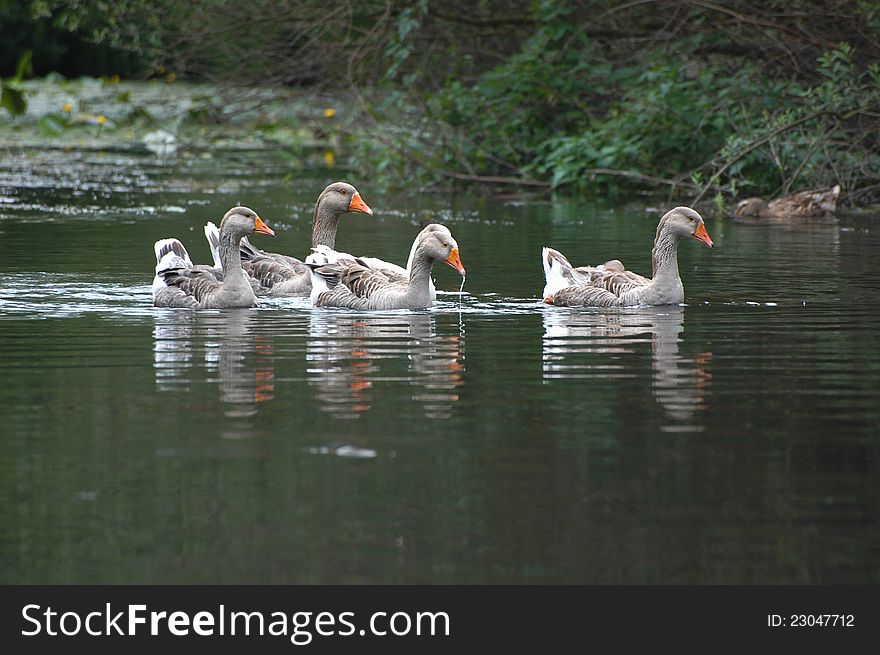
(47,294)
(65,295)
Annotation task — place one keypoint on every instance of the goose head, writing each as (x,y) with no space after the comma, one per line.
(750,207)
(341,198)
(243,221)
(432,227)
(685,222)
(437,243)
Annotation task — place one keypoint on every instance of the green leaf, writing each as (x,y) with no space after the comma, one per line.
(24,68)
(12,100)
(52,124)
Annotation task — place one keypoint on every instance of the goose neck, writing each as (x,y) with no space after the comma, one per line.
(420,268)
(324,224)
(664,256)
(230,258)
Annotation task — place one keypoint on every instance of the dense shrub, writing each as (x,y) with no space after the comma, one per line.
(705,99)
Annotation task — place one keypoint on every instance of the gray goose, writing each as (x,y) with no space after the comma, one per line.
(281,275)
(180,283)
(803,204)
(325,255)
(351,284)
(610,285)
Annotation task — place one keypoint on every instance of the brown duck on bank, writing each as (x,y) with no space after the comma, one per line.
(803,204)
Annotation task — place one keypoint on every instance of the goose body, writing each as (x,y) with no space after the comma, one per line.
(352,284)
(274,274)
(180,283)
(324,255)
(803,204)
(611,285)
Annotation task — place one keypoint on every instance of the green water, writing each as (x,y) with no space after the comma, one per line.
(490,439)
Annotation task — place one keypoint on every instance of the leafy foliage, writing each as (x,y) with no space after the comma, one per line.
(562,111)
(11,96)
(709,99)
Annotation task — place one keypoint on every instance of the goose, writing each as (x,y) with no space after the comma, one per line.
(611,285)
(180,283)
(351,284)
(325,255)
(803,204)
(281,275)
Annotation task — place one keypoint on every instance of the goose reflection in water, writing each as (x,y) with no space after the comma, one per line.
(345,354)
(239,361)
(574,342)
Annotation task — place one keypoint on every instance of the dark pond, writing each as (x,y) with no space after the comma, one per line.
(491,439)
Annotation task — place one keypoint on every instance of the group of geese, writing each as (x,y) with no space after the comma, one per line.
(241,272)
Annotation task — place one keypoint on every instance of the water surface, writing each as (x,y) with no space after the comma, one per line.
(733,439)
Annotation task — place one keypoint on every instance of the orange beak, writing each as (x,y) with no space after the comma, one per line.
(700,234)
(357,204)
(454,260)
(262,228)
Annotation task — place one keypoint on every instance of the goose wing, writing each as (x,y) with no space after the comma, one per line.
(366,282)
(325,255)
(619,282)
(584,295)
(197,282)
(270,269)
(351,284)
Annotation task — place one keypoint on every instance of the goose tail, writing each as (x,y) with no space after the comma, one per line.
(165,247)
(322,275)
(325,255)
(322,255)
(212,234)
(558,273)
(170,254)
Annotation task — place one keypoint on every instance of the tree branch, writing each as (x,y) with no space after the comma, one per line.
(750,148)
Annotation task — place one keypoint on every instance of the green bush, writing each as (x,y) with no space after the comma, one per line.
(561,112)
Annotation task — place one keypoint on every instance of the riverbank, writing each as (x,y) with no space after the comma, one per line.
(171,119)
(382,138)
